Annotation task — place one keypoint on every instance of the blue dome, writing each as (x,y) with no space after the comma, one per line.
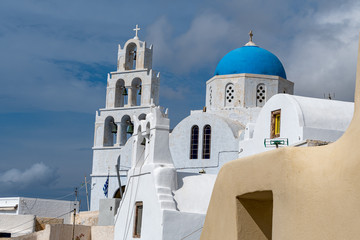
(250,59)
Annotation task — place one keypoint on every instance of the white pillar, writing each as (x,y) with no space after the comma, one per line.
(132,92)
(122,133)
(118,134)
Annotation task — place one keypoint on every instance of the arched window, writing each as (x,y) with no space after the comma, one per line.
(194,142)
(206,142)
(229,95)
(260,95)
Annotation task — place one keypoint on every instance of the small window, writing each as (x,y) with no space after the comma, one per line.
(194,142)
(206,142)
(229,95)
(138,219)
(260,95)
(275,123)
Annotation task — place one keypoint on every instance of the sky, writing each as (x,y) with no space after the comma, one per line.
(55,56)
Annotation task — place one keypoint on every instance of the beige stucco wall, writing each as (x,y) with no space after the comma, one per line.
(102,232)
(41,235)
(87,218)
(59,232)
(41,222)
(64,232)
(295,193)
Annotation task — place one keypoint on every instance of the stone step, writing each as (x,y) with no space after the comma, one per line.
(169,205)
(165,197)
(163,190)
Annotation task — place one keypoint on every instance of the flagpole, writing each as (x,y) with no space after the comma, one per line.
(107,195)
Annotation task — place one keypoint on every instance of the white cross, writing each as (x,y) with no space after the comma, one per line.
(136,29)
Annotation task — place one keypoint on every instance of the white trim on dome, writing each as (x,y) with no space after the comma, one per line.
(251,43)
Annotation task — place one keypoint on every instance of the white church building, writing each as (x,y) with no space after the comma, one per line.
(165,179)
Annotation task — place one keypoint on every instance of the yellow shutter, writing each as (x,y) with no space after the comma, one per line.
(277,124)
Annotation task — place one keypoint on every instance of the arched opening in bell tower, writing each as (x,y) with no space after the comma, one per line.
(142,116)
(127,129)
(135,97)
(110,131)
(130,60)
(120,93)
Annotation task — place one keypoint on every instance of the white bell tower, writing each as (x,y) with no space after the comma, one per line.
(130,93)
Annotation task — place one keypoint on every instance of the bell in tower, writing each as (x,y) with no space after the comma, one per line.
(135,55)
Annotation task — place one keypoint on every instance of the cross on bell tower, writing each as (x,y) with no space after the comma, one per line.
(136,29)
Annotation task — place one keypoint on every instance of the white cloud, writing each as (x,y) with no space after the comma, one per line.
(159,34)
(200,46)
(37,175)
(317,42)
(170,93)
(345,13)
(322,58)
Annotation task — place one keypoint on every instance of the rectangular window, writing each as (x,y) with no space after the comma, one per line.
(138,219)
(275,123)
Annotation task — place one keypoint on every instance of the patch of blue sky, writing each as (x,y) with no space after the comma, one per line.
(90,72)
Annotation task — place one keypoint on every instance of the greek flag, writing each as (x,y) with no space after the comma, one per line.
(106,186)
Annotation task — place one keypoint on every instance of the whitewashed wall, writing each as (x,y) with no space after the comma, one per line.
(302,118)
(224,142)
(40,207)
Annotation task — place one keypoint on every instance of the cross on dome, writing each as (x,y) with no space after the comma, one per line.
(136,29)
(251,43)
